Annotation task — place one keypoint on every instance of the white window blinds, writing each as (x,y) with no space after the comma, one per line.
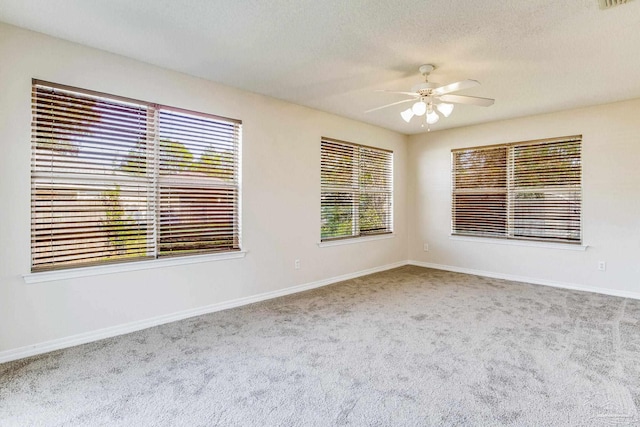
(356,190)
(526,190)
(118,180)
(197,183)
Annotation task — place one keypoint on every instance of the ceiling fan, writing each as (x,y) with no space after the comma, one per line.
(433,98)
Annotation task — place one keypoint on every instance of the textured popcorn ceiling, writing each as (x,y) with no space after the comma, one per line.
(531,56)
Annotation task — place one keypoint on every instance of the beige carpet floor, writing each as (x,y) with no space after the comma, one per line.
(405,347)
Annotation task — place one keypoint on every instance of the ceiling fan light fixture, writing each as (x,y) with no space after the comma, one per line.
(445,109)
(419,108)
(407,115)
(432,117)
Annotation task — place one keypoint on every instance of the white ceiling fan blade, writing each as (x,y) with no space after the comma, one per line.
(470,100)
(390,105)
(398,93)
(454,87)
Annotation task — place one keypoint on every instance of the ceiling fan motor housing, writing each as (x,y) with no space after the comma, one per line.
(425,89)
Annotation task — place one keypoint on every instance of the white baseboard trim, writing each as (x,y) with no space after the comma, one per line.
(515,278)
(71,341)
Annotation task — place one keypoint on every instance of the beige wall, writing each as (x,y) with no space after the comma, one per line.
(280,184)
(611,194)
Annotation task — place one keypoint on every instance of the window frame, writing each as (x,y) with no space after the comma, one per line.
(150,179)
(358,190)
(511,189)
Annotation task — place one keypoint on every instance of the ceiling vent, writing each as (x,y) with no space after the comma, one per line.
(608,4)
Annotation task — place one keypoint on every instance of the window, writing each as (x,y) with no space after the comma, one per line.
(357,190)
(526,190)
(117,180)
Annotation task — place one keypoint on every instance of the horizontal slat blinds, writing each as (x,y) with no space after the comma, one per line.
(376,186)
(339,182)
(528,190)
(546,191)
(198,184)
(89,180)
(480,191)
(121,180)
(356,190)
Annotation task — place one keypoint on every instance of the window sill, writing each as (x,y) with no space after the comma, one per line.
(72,273)
(514,242)
(354,240)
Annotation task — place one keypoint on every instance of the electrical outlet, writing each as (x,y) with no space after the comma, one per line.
(602,266)
(426,247)
(296,264)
